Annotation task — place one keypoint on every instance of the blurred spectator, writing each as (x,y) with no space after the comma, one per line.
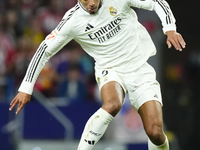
(7,52)
(71,54)
(10,24)
(15,21)
(47,81)
(73,88)
(69,4)
(51,15)
(25,25)
(25,51)
(28,8)
(34,31)
(87,63)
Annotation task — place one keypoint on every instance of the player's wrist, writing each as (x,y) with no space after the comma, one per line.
(171,27)
(26,88)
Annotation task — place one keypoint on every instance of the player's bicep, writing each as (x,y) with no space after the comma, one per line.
(56,40)
(61,35)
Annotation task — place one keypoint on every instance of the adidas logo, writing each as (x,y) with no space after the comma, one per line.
(88,27)
(90,142)
(156,96)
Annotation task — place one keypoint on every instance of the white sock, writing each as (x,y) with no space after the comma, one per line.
(94,129)
(164,146)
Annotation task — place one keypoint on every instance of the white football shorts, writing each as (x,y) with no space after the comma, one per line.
(141,84)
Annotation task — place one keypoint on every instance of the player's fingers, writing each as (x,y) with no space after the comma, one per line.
(169,44)
(173,42)
(13,104)
(181,41)
(176,44)
(20,106)
(13,101)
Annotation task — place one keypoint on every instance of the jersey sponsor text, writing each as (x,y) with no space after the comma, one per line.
(106,32)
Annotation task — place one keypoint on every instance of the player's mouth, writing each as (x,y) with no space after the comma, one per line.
(91,10)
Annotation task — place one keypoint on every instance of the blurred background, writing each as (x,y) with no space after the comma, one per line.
(56,116)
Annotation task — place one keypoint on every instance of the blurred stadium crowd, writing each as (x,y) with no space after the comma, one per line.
(25,23)
(23,26)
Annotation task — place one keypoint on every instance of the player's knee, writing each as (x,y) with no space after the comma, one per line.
(155,133)
(112,106)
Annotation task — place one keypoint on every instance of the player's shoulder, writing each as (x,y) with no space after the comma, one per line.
(71,12)
(68,19)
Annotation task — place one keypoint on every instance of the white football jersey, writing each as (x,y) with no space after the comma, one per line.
(113,36)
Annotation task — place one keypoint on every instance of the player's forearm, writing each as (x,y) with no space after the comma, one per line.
(162,8)
(37,63)
(49,47)
(165,14)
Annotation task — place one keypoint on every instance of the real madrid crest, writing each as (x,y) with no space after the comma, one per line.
(113,11)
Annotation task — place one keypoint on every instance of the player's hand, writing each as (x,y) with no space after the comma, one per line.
(21,99)
(175,39)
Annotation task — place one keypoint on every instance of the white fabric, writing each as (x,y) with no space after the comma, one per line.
(164,146)
(140,84)
(94,129)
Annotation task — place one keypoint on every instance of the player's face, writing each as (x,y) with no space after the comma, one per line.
(91,6)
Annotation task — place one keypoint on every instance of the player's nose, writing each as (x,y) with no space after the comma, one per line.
(91,3)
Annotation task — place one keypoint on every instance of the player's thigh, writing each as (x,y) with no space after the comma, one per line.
(112,90)
(151,114)
(111,85)
(112,95)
